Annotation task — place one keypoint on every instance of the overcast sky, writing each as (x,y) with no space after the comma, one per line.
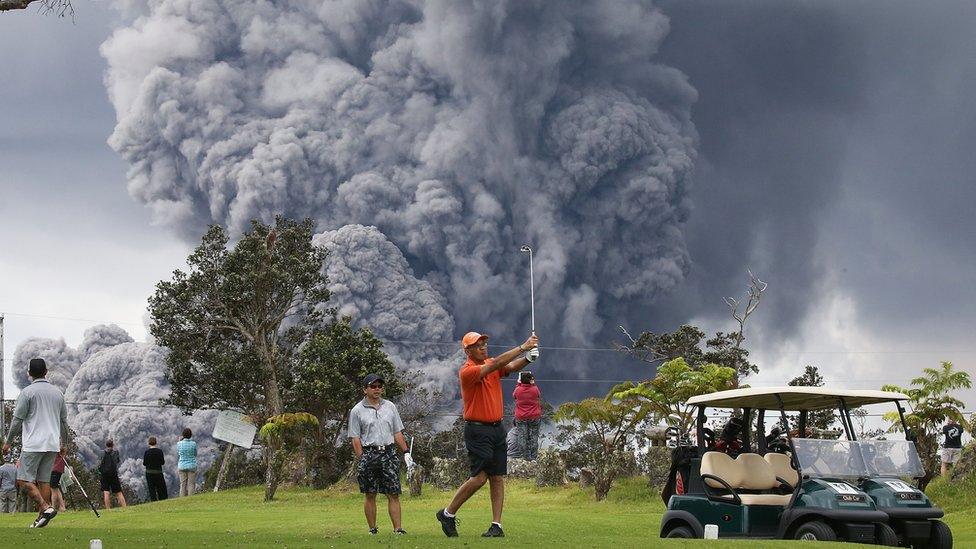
(834,160)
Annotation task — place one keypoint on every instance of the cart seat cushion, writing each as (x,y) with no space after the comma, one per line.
(765,499)
(783,468)
(722,466)
(755,473)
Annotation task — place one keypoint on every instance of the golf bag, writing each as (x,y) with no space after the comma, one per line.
(680,473)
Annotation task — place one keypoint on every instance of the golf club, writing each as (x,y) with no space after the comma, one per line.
(526,249)
(71,473)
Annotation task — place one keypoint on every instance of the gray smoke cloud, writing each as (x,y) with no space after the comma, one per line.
(62,361)
(372,280)
(101,337)
(458,130)
(132,374)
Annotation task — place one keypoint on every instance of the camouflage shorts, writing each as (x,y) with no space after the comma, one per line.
(379,471)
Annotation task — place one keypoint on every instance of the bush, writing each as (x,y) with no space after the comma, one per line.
(656,464)
(966,465)
(448,474)
(550,469)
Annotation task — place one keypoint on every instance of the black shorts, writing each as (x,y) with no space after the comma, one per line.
(379,471)
(487,448)
(110,483)
(56,480)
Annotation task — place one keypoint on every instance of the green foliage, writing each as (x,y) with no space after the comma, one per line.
(223,319)
(329,382)
(676,381)
(235,320)
(687,342)
(819,419)
(932,405)
(289,424)
(598,432)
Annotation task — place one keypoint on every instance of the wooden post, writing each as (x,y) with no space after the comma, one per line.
(224,466)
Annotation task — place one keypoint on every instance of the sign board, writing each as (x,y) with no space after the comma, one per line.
(235,428)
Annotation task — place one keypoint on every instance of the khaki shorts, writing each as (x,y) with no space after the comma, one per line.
(36,466)
(951,455)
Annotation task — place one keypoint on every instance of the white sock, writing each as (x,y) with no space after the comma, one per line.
(497,524)
(448,514)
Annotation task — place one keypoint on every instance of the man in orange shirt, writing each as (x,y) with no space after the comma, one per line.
(484,437)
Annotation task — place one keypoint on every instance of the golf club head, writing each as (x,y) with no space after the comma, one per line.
(526,249)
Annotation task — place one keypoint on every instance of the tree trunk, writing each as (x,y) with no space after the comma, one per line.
(272,473)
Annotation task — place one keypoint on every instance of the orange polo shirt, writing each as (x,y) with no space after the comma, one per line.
(482,397)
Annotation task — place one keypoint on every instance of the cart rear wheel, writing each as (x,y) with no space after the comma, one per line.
(815,531)
(680,532)
(885,535)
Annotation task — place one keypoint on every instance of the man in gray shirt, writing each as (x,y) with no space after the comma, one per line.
(374,425)
(8,487)
(41,419)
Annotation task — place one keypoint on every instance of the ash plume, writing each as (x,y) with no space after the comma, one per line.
(458,130)
(102,337)
(62,361)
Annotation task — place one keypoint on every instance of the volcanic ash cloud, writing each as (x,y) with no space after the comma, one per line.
(459,130)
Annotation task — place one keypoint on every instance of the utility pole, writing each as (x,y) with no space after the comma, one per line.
(3,373)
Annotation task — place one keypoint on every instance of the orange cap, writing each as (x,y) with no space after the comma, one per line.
(471,338)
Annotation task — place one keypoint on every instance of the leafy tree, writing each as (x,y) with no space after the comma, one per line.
(235,320)
(676,381)
(931,404)
(820,419)
(328,383)
(598,431)
(725,349)
(688,342)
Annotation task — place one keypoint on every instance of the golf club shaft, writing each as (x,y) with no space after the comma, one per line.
(532,289)
(71,471)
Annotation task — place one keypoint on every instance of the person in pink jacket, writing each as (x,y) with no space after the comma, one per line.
(528,415)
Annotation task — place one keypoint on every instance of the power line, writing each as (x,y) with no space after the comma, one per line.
(554,348)
(56,317)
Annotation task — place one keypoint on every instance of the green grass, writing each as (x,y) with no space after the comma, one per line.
(548,517)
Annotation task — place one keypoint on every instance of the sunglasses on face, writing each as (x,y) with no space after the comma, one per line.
(375,386)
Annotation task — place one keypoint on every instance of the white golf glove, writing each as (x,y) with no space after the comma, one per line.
(408,460)
(532,355)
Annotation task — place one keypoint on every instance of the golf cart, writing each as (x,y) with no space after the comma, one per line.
(783,486)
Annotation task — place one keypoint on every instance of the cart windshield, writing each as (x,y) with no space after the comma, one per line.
(821,458)
(894,458)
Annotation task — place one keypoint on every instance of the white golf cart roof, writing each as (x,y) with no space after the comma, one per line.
(794,398)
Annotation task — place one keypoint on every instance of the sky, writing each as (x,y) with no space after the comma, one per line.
(832,157)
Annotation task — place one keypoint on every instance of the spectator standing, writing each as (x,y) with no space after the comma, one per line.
(375,430)
(108,475)
(8,488)
(41,419)
(153,460)
(186,449)
(528,415)
(952,445)
(57,498)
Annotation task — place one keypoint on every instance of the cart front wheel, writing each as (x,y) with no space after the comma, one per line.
(941,536)
(815,531)
(680,532)
(885,535)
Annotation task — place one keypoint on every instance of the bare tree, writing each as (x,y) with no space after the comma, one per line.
(754,296)
(60,8)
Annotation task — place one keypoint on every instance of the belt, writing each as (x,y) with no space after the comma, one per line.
(484,423)
(377,447)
